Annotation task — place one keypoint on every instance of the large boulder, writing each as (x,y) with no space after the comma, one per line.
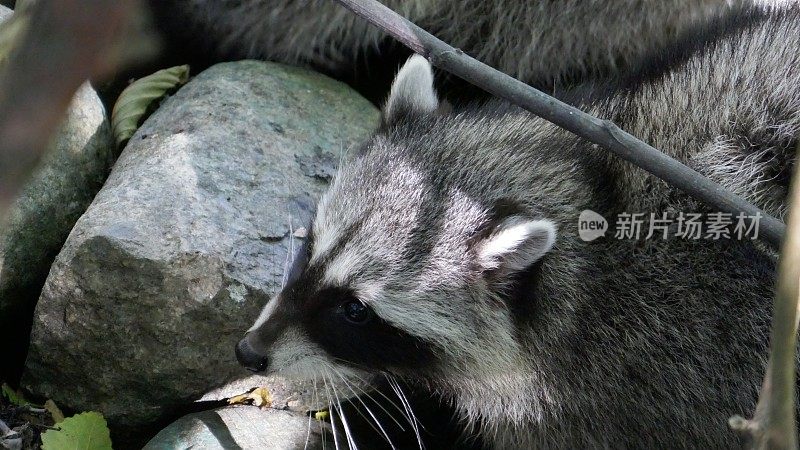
(292,395)
(187,240)
(243,427)
(61,188)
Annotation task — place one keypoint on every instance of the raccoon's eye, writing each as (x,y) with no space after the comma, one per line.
(356,312)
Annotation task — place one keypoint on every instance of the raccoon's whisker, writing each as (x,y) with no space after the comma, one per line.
(330,414)
(308,432)
(349,386)
(379,405)
(403,411)
(358,411)
(308,427)
(388,413)
(387,398)
(344,419)
(316,402)
(409,413)
(367,420)
(402,396)
(351,444)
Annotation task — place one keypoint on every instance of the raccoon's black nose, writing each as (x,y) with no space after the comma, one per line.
(249,358)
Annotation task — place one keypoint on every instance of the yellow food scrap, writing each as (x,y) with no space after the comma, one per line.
(239,399)
(259,397)
(321,415)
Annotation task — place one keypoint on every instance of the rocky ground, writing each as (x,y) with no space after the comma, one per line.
(21,427)
(194,226)
(133,284)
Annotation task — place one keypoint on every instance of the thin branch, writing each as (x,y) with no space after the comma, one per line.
(599,131)
(66,43)
(774,423)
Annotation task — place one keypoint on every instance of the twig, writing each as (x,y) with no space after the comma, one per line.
(66,43)
(31,409)
(774,423)
(599,131)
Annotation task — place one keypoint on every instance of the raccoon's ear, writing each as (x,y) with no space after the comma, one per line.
(515,244)
(412,91)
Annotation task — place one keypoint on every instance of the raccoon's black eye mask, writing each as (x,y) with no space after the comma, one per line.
(344,304)
(351,331)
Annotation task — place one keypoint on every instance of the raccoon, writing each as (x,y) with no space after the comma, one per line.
(542,42)
(447,253)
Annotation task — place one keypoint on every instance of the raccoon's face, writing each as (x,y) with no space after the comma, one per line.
(399,273)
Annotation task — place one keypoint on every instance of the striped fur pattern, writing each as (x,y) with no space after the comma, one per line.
(538,41)
(446,253)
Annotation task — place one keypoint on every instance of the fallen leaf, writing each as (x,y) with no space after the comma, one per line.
(14,397)
(87,430)
(134,102)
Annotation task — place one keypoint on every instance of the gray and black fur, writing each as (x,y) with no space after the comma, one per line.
(446,253)
(542,42)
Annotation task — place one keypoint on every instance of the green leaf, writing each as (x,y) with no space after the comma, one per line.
(14,397)
(85,431)
(135,101)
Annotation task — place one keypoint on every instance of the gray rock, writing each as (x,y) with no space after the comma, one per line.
(188,239)
(288,394)
(240,427)
(5,10)
(58,192)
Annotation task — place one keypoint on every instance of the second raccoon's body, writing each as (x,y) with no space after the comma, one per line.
(539,41)
(447,253)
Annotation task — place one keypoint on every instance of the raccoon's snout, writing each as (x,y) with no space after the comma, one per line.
(249,357)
